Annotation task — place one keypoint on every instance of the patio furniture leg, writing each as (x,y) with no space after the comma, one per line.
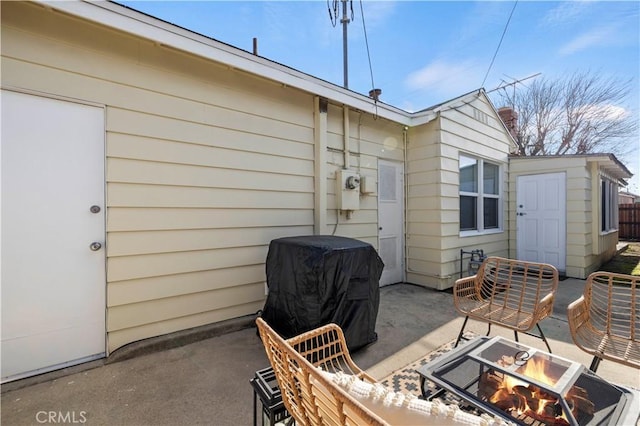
(489,329)
(515,335)
(543,337)
(595,363)
(464,324)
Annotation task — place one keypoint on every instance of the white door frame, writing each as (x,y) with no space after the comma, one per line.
(53,172)
(541,218)
(391,221)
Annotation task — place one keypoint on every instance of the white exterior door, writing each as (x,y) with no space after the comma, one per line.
(53,281)
(391,220)
(541,218)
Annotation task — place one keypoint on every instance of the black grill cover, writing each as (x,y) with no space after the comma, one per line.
(319,279)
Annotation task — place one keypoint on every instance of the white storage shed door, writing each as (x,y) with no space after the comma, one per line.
(542,218)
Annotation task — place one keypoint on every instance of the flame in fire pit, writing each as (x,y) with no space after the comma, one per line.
(523,399)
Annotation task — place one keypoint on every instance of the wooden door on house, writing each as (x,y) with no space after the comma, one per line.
(391,220)
(541,218)
(53,233)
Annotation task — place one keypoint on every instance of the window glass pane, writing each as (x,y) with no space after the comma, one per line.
(491,182)
(468,218)
(490,213)
(468,174)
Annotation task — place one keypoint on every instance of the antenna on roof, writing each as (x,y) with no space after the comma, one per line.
(504,84)
(333,15)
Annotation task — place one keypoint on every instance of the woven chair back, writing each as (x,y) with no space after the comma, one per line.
(308,395)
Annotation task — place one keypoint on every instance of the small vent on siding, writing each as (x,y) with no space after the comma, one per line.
(481,116)
(388,252)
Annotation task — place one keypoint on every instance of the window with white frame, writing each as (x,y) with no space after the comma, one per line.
(480,199)
(608,205)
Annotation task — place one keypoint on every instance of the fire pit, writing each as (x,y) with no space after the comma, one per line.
(530,387)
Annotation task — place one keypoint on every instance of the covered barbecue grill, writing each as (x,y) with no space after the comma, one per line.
(319,279)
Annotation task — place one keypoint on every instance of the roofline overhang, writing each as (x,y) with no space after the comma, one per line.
(163,33)
(611,165)
(131,21)
(607,162)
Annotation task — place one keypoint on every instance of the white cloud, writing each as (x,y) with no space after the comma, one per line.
(596,37)
(445,78)
(375,12)
(605,112)
(565,12)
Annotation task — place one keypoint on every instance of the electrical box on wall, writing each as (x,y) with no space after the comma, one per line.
(367,185)
(347,190)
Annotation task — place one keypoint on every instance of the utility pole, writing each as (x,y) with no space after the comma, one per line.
(333,15)
(345,57)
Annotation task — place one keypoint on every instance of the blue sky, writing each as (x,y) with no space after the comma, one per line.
(426,52)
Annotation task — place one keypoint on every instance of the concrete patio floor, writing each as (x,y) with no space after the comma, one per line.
(207,381)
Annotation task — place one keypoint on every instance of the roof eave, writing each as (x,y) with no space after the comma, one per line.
(611,165)
(163,33)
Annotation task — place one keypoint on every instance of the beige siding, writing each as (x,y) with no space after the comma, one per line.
(604,244)
(369,139)
(205,165)
(433,232)
(131,334)
(141,219)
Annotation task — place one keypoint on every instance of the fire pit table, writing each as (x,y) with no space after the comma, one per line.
(527,386)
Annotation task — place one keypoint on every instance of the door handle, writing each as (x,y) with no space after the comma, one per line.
(95,246)
(521,214)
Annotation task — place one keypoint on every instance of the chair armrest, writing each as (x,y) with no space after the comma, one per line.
(545,306)
(465,290)
(577,314)
(465,287)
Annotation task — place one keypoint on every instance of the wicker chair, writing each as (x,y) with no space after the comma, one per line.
(511,293)
(309,397)
(605,320)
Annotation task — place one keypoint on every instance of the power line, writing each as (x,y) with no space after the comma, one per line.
(500,43)
(366,41)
